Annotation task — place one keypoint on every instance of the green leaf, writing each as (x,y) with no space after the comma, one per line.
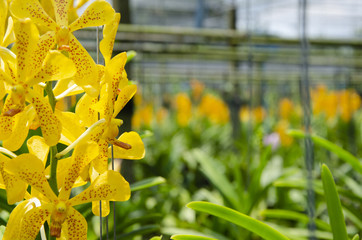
(355,237)
(334,207)
(146,183)
(130,55)
(211,168)
(292,215)
(156,238)
(139,232)
(340,152)
(238,218)
(190,237)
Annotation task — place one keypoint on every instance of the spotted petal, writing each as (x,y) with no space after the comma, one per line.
(101,162)
(61,8)
(38,147)
(109,35)
(85,110)
(6,126)
(32,9)
(15,188)
(27,36)
(12,230)
(33,220)
(45,43)
(19,132)
(75,226)
(114,71)
(82,156)
(110,185)
(98,13)
(123,97)
(105,208)
(30,169)
(87,74)
(56,66)
(49,124)
(137,150)
(62,169)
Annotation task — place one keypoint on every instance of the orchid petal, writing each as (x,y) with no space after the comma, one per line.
(75,226)
(71,125)
(6,78)
(85,111)
(110,185)
(63,85)
(82,156)
(62,168)
(87,75)
(46,42)
(32,9)
(101,162)
(27,36)
(98,13)
(9,36)
(136,152)
(38,147)
(15,188)
(123,97)
(33,220)
(8,57)
(50,125)
(30,169)
(114,72)
(6,126)
(105,105)
(12,230)
(3,15)
(19,132)
(56,66)
(105,208)
(109,35)
(61,8)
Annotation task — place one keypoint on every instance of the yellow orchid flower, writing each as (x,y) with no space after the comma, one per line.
(98,13)
(26,219)
(15,188)
(21,79)
(115,93)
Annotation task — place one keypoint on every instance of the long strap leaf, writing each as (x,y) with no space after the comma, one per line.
(334,207)
(249,223)
(340,152)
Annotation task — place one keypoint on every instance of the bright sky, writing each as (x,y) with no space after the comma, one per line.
(326,18)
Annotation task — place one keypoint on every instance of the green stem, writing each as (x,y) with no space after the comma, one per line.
(53,150)
(51,97)
(53,169)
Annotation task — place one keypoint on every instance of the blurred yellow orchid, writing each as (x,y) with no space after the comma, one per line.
(214,109)
(183,106)
(98,13)
(23,76)
(27,218)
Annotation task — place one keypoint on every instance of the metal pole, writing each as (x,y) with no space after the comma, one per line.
(305,99)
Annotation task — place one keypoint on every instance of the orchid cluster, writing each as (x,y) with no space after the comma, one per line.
(42,62)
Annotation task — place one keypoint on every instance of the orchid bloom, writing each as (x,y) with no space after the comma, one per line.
(115,93)
(26,219)
(98,13)
(73,8)
(23,76)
